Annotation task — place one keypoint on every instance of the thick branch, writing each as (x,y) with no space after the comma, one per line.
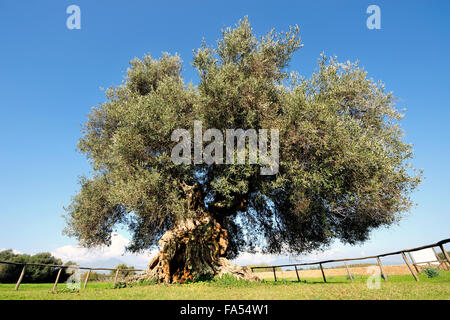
(220,209)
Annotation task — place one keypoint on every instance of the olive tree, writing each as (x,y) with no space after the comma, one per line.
(343,167)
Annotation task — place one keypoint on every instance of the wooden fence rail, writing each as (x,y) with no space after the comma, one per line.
(445,262)
(61,267)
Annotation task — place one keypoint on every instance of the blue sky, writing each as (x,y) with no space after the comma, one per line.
(51,76)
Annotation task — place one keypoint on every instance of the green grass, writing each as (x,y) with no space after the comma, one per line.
(398,287)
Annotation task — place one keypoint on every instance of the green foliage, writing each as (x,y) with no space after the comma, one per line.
(67,290)
(431,272)
(123,273)
(96,276)
(124,284)
(348,277)
(228,280)
(33,274)
(203,277)
(344,166)
(441,255)
(120,285)
(145,283)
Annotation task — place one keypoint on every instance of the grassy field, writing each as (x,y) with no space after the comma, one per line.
(398,287)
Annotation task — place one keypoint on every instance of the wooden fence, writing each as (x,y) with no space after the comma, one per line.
(61,267)
(413,266)
(440,244)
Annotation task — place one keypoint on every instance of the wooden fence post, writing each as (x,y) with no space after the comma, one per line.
(413,262)
(87,278)
(441,262)
(274,274)
(409,266)
(445,253)
(20,278)
(296,271)
(323,273)
(115,278)
(382,269)
(57,279)
(348,271)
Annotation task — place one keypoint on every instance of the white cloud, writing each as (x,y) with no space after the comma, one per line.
(109,255)
(323,255)
(246,258)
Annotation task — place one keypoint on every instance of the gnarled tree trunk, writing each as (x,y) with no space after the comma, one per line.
(194,250)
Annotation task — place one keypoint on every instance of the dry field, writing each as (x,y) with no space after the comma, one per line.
(363,271)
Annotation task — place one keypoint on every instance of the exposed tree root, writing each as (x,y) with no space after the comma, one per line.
(193,250)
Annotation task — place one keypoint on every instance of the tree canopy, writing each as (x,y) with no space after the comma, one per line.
(343,165)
